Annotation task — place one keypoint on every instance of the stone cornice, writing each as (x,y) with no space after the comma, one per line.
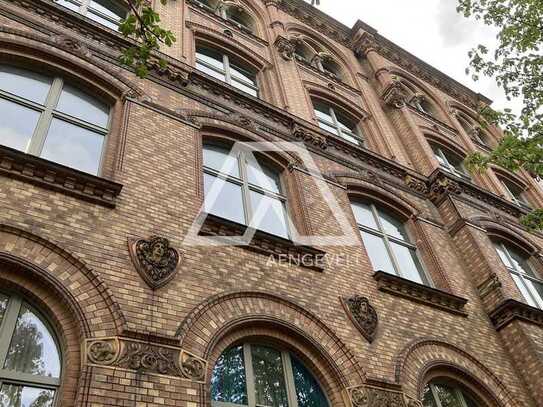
(511,310)
(265,243)
(47,174)
(420,293)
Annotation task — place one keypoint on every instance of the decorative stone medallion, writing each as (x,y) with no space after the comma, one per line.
(192,367)
(362,314)
(154,259)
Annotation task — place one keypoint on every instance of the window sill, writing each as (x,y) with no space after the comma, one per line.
(266,243)
(420,293)
(47,174)
(511,310)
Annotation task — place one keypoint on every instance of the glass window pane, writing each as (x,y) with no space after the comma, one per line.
(428,398)
(263,176)
(108,8)
(247,89)
(228,201)
(269,215)
(328,127)
(519,261)
(69,4)
(523,290)
(73,146)
(242,74)
(447,396)
(32,349)
(17,124)
(219,159)
(379,257)
(504,258)
(228,381)
(392,226)
(308,391)
(12,395)
(537,291)
(3,306)
(364,215)
(114,25)
(323,113)
(269,377)
(345,123)
(408,262)
(210,57)
(350,137)
(83,106)
(26,84)
(211,72)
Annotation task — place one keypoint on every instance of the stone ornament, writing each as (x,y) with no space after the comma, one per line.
(154,259)
(362,314)
(103,351)
(192,367)
(148,358)
(285,47)
(365,396)
(394,96)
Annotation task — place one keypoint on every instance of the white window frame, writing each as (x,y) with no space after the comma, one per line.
(48,112)
(290,386)
(386,238)
(247,187)
(517,200)
(534,299)
(356,138)
(446,164)
(226,71)
(7,330)
(84,6)
(223,13)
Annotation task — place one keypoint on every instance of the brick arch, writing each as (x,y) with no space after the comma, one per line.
(79,286)
(217,317)
(416,358)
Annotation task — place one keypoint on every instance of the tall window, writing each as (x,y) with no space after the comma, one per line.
(515,193)
(30,363)
(244,190)
(449,161)
(522,273)
(387,243)
(226,69)
(256,375)
(332,120)
(106,12)
(444,394)
(50,118)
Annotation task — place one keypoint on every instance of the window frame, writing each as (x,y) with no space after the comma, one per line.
(446,164)
(7,330)
(386,238)
(48,111)
(288,374)
(226,70)
(355,133)
(522,275)
(520,200)
(84,6)
(247,187)
(459,394)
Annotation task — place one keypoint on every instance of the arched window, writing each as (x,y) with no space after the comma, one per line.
(227,69)
(443,393)
(327,64)
(518,265)
(421,103)
(244,189)
(106,12)
(449,161)
(30,363)
(473,130)
(232,12)
(515,193)
(333,120)
(47,117)
(387,242)
(256,375)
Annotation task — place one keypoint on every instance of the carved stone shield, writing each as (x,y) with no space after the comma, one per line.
(363,315)
(154,259)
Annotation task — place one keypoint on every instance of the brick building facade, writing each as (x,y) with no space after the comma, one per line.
(435,299)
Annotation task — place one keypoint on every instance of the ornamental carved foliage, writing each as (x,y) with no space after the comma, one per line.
(285,47)
(309,137)
(192,367)
(363,315)
(375,397)
(442,186)
(103,351)
(148,358)
(394,95)
(154,259)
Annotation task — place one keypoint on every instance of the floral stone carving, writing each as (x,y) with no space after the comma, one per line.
(365,396)
(192,367)
(154,259)
(362,314)
(148,358)
(103,351)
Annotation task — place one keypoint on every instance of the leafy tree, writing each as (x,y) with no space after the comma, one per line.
(143,26)
(516,62)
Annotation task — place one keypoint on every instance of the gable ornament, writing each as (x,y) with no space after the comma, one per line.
(154,259)
(362,314)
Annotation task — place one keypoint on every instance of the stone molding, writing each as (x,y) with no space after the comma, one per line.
(362,314)
(47,174)
(265,243)
(420,293)
(372,396)
(144,357)
(511,310)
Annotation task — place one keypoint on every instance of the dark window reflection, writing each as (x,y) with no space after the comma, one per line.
(269,377)
(228,379)
(24,396)
(308,391)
